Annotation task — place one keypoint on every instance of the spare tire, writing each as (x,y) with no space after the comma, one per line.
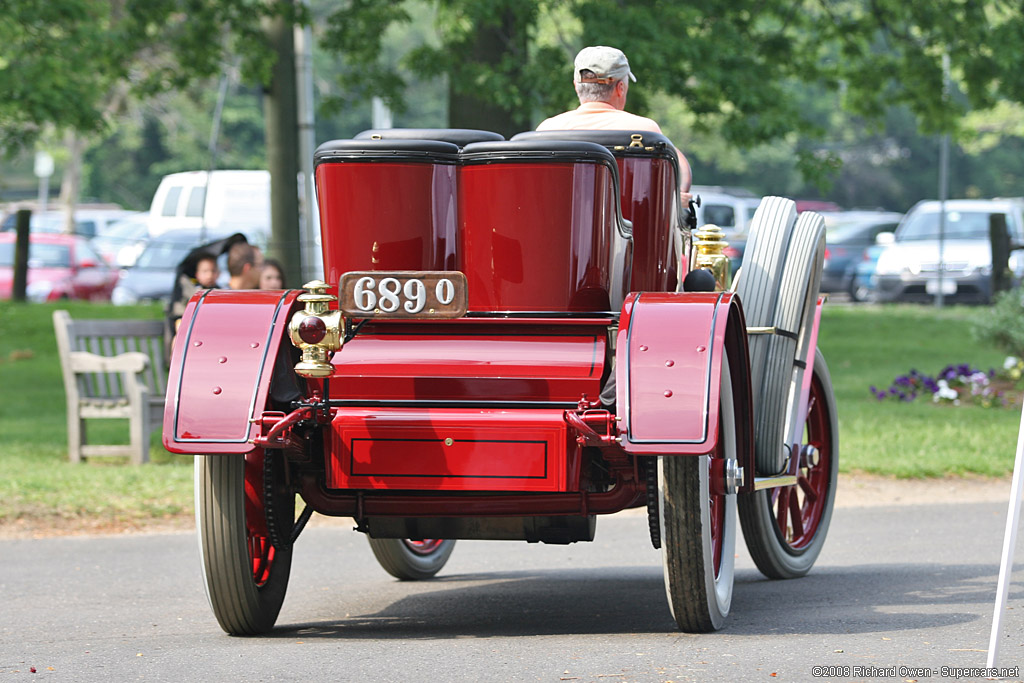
(778,286)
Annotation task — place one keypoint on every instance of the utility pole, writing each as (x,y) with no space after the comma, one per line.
(309,225)
(940,297)
(43,169)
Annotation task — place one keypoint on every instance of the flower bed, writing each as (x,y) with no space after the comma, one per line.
(959,384)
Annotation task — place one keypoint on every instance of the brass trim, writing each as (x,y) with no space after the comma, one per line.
(315,362)
(709,244)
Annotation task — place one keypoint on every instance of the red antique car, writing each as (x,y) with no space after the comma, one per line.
(512,339)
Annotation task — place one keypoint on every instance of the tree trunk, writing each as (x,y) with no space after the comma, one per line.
(1002,276)
(493,43)
(281,122)
(71,181)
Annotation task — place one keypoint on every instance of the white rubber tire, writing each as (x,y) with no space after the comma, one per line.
(240,605)
(699,597)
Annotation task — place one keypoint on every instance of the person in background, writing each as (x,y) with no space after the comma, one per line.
(272,274)
(207,272)
(601,77)
(244,264)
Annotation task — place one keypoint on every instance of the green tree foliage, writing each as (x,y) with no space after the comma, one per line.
(171,133)
(890,52)
(70,64)
(743,68)
(758,92)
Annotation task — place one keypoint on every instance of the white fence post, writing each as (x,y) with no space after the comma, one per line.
(1009,543)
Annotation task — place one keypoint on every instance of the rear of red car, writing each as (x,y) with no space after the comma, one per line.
(59,267)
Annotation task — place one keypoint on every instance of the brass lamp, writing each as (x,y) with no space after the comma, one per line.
(316,331)
(711,244)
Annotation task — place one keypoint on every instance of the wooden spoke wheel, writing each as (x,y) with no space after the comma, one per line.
(411,560)
(785,527)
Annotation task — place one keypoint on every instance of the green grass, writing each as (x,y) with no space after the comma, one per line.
(36,479)
(864,345)
(871,345)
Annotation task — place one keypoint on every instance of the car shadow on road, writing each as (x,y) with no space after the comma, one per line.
(840,600)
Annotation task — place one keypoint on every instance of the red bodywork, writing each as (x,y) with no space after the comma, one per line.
(670,351)
(221,369)
(496,413)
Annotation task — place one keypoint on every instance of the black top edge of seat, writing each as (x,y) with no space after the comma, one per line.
(383,150)
(456,136)
(531,149)
(606,138)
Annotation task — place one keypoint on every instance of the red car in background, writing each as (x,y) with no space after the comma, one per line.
(59,267)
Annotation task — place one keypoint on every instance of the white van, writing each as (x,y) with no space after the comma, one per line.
(232,200)
(730,208)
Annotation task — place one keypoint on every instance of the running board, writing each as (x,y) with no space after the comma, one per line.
(774,482)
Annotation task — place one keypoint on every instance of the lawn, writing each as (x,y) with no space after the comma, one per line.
(871,345)
(864,345)
(36,479)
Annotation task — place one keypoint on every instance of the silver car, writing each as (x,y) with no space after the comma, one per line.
(908,269)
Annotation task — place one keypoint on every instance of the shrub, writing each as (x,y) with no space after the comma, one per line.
(1002,324)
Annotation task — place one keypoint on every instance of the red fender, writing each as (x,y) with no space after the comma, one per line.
(221,367)
(668,362)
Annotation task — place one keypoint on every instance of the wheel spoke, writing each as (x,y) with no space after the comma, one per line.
(424,547)
(795,516)
(716,514)
(782,510)
(810,494)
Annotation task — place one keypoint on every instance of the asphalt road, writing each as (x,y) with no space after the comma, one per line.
(908,586)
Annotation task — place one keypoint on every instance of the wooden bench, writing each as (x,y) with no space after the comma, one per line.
(112,369)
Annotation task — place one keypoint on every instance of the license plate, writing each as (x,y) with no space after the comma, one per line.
(403,294)
(948,286)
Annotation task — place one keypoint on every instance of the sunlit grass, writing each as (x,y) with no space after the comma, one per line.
(871,345)
(36,479)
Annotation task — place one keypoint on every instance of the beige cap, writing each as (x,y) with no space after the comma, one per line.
(608,64)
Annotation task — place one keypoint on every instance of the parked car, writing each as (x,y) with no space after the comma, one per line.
(153,276)
(819,205)
(229,201)
(731,209)
(124,240)
(99,222)
(863,286)
(848,235)
(908,270)
(59,267)
(88,222)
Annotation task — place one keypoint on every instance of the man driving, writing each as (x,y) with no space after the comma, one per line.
(601,77)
